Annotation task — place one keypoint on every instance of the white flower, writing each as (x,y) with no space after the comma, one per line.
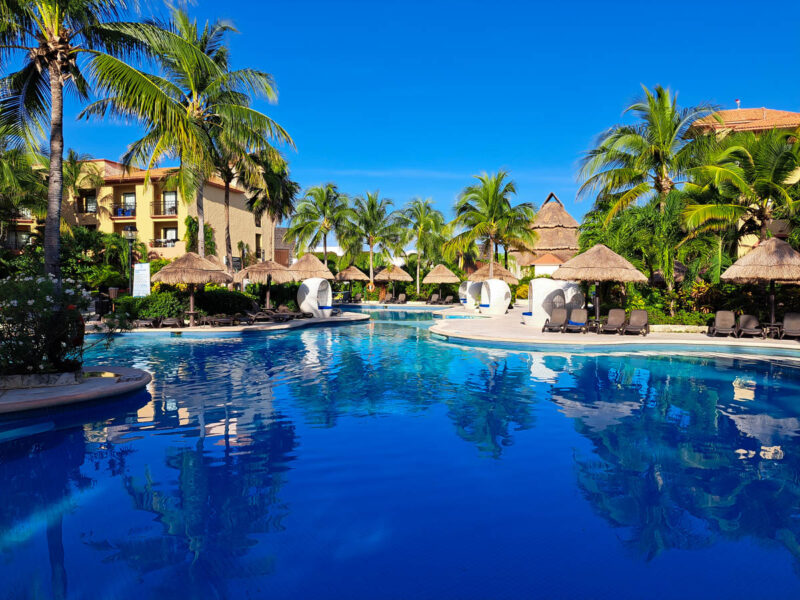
(30,302)
(13,303)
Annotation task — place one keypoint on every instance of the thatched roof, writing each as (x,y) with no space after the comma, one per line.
(351,273)
(773,260)
(499,272)
(192,269)
(393,274)
(309,266)
(599,263)
(441,274)
(557,233)
(261,272)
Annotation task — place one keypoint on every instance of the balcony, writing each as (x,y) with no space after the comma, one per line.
(24,215)
(163,243)
(160,208)
(120,210)
(86,206)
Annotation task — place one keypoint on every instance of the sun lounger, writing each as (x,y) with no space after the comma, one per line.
(791,325)
(243,319)
(358,298)
(434,299)
(557,320)
(172,322)
(578,320)
(724,323)
(144,323)
(220,321)
(388,298)
(448,300)
(401,299)
(637,323)
(614,322)
(749,325)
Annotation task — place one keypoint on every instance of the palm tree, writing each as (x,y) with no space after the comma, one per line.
(745,180)
(322,211)
(484,211)
(372,222)
(426,225)
(274,192)
(633,161)
(50,36)
(198,112)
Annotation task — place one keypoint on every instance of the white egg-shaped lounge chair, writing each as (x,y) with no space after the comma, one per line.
(472,295)
(316,297)
(495,297)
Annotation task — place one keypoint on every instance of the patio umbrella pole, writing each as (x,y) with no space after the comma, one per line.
(771,301)
(269,289)
(191,305)
(596,301)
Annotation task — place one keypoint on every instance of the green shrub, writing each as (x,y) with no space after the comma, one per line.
(158,305)
(221,300)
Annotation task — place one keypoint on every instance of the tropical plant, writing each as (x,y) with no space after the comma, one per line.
(371,221)
(426,225)
(631,162)
(322,211)
(192,227)
(274,192)
(22,189)
(485,214)
(51,36)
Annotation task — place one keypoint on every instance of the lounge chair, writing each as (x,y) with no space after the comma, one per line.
(724,324)
(358,298)
(434,299)
(221,321)
(790,326)
(401,299)
(749,325)
(614,322)
(637,323)
(284,310)
(578,320)
(144,323)
(448,300)
(557,320)
(243,319)
(388,298)
(173,322)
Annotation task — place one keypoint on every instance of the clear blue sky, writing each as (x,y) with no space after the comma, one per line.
(414,97)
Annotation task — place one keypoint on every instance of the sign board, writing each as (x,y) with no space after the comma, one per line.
(141,279)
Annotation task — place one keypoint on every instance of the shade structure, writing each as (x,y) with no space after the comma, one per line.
(556,231)
(770,261)
(192,269)
(498,272)
(441,274)
(309,266)
(599,263)
(392,273)
(267,272)
(351,273)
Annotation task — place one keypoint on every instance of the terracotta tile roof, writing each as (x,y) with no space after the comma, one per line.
(114,173)
(749,119)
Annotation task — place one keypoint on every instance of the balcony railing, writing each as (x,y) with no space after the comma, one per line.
(121,211)
(24,214)
(163,243)
(161,208)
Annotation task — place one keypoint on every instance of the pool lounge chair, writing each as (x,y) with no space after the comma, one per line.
(790,326)
(434,299)
(614,322)
(557,320)
(358,298)
(637,323)
(724,324)
(749,325)
(141,323)
(401,299)
(220,321)
(448,300)
(388,298)
(578,321)
(172,322)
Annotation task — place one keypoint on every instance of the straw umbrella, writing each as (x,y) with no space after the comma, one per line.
(441,274)
(192,269)
(599,263)
(499,272)
(393,273)
(309,266)
(351,274)
(265,272)
(771,261)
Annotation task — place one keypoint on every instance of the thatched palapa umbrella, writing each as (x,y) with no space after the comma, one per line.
(441,274)
(499,272)
(191,269)
(309,266)
(265,272)
(392,273)
(770,261)
(599,263)
(351,274)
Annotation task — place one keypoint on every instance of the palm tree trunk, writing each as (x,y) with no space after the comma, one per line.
(52,240)
(201,222)
(418,261)
(325,249)
(228,249)
(505,256)
(371,282)
(491,258)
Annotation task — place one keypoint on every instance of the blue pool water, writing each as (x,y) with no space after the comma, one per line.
(373,461)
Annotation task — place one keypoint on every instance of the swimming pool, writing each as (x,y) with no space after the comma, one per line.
(374,461)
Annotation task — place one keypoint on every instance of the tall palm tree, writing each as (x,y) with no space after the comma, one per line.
(746,179)
(22,190)
(274,192)
(425,223)
(51,36)
(633,161)
(323,210)
(485,213)
(371,221)
(198,111)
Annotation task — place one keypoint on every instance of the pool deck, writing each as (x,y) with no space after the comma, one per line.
(102,382)
(509,328)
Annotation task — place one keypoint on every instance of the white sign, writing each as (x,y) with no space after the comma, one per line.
(141,279)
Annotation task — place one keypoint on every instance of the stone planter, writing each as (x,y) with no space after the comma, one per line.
(16,382)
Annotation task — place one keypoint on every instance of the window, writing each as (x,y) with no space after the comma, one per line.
(88,204)
(129,201)
(258,220)
(169,203)
(171,233)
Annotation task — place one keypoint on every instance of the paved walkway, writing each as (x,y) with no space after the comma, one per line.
(509,328)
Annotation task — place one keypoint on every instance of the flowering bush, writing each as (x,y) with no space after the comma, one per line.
(41,329)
